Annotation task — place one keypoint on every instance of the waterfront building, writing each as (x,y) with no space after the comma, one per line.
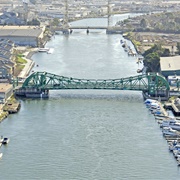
(23,35)
(6,90)
(6,60)
(6,70)
(170,66)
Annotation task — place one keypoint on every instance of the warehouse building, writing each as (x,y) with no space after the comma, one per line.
(23,35)
(170,66)
(6,90)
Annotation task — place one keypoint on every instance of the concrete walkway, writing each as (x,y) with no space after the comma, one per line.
(27,68)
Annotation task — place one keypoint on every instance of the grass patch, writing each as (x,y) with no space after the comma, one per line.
(3,115)
(20,59)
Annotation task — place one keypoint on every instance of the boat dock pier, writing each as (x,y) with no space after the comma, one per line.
(174,107)
(128,49)
(169,124)
(12,106)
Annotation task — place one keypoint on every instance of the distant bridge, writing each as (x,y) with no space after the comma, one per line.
(38,84)
(113,29)
(88,27)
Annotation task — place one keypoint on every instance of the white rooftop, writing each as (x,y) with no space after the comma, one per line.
(170,63)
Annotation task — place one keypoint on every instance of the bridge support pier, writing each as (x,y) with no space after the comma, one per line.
(32,93)
(163,96)
(65,31)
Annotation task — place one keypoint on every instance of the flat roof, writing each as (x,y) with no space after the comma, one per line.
(170,63)
(30,31)
(5,87)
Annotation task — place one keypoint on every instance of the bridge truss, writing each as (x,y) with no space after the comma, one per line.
(153,84)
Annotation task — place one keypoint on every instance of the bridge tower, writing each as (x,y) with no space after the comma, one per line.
(108,13)
(25,9)
(65,19)
(108,31)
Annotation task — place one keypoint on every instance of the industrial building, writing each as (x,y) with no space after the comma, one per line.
(23,35)
(6,90)
(170,66)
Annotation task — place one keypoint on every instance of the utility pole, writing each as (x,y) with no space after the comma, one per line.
(108,13)
(65,19)
(25,8)
(109,29)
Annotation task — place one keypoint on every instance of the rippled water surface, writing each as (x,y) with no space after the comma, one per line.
(86,134)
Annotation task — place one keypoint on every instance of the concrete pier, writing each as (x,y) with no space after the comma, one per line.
(32,93)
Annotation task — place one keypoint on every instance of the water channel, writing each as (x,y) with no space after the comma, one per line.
(86,134)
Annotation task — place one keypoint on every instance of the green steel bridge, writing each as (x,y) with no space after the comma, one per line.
(38,84)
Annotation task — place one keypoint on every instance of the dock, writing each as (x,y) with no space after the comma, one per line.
(173,137)
(12,106)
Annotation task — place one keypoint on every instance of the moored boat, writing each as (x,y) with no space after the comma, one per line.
(167,131)
(174,124)
(4,140)
(172,145)
(1,154)
(43,49)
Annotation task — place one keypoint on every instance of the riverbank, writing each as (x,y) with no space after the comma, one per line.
(26,55)
(12,105)
(9,107)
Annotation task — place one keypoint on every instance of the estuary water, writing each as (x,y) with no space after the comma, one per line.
(86,134)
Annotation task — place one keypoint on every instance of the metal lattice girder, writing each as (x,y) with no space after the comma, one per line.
(48,81)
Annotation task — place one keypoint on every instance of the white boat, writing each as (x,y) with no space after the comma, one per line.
(173,124)
(167,131)
(153,104)
(1,154)
(174,142)
(157,112)
(43,49)
(4,140)
(174,147)
(178,161)
(50,51)
(149,101)
(176,153)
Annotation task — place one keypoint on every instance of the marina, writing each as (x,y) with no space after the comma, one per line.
(170,127)
(128,49)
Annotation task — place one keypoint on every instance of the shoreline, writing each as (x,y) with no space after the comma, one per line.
(22,75)
(29,65)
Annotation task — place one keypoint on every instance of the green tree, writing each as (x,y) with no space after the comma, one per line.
(152,57)
(143,23)
(154,48)
(166,53)
(34,22)
(55,22)
(152,61)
